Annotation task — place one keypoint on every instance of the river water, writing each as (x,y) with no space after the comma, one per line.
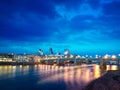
(47,77)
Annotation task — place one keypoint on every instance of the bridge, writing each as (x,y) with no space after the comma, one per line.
(80,61)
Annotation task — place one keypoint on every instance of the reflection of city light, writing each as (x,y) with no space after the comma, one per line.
(87,75)
(20,66)
(14,67)
(114,67)
(97,71)
(108,67)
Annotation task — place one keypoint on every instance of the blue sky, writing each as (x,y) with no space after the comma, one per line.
(83,26)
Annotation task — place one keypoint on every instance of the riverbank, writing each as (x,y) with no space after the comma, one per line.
(36,63)
(109,81)
(19,63)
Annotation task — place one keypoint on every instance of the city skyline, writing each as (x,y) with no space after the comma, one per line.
(82,26)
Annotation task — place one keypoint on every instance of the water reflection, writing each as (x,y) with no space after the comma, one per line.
(113,67)
(73,77)
(10,71)
(97,72)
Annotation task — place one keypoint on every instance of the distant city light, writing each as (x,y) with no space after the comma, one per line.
(78,56)
(113,57)
(86,55)
(83,56)
(96,56)
(118,54)
(106,56)
(66,52)
(71,56)
(90,56)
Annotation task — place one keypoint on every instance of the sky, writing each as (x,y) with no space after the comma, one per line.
(82,26)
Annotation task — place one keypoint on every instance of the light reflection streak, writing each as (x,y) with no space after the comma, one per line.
(114,67)
(73,75)
(108,67)
(97,71)
(9,71)
(70,75)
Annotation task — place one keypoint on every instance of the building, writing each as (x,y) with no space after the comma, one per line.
(6,57)
(67,53)
(41,52)
(51,51)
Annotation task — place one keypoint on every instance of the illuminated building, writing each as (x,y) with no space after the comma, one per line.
(67,53)
(41,52)
(6,57)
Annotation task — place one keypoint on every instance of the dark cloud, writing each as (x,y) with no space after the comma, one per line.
(94,3)
(26,19)
(45,8)
(69,4)
(58,23)
(27,29)
(82,22)
(112,8)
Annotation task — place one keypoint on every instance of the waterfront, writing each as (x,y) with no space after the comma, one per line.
(49,77)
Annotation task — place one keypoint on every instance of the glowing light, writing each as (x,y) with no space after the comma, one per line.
(114,67)
(86,55)
(66,52)
(52,57)
(97,71)
(71,56)
(113,57)
(90,56)
(78,56)
(65,56)
(108,67)
(106,56)
(96,56)
(83,56)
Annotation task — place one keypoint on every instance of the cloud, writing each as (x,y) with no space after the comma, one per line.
(112,8)
(82,22)
(95,4)
(69,5)
(77,24)
(40,7)
(20,28)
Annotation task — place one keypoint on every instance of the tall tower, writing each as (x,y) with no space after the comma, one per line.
(41,52)
(51,51)
(67,53)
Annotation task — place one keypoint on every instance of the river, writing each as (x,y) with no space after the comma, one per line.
(48,77)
